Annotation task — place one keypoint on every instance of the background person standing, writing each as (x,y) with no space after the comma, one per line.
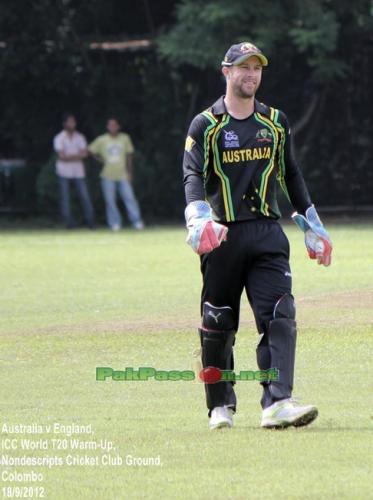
(71,149)
(115,150)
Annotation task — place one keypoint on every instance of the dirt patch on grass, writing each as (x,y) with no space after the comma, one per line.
(345,299)
(349,308)
(352,307)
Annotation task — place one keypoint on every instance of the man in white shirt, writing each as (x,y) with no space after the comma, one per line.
(71,149)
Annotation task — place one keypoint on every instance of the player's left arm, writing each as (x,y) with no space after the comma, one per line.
(317,240)
(129,151)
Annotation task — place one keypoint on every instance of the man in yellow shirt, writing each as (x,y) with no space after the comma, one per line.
(115,150)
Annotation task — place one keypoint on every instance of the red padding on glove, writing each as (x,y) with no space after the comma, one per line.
(209,240)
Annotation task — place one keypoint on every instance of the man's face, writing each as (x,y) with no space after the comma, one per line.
(113,127)
(244,80)
(70,124)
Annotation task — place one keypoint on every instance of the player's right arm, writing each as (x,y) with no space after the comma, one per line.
(58,148)
(204,234)
(95,149)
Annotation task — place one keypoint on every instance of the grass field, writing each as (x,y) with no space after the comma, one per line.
(71,301)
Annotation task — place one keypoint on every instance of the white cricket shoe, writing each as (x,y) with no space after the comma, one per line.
(288,412)
(221,416)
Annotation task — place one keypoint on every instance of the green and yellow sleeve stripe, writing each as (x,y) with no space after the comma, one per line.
(264,207)
(211,137)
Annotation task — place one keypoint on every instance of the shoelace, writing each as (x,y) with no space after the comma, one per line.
(295,400)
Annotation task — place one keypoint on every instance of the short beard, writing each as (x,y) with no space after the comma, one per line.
(238,90)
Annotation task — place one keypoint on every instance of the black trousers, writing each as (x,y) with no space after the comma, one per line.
(255,258)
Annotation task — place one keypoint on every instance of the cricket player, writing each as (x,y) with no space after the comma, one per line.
(236,152)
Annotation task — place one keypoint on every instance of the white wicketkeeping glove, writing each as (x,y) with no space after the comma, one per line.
(316,237)
(204,234)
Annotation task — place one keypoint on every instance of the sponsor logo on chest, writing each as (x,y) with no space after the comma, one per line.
(231,139)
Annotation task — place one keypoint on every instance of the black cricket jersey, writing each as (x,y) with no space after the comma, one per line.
(235,165)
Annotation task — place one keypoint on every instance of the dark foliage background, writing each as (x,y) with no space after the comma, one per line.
(320,74)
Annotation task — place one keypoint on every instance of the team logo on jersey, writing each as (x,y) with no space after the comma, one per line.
(264,135)
(189,143)
(231,139)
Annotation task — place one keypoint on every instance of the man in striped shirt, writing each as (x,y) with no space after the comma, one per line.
(71,149)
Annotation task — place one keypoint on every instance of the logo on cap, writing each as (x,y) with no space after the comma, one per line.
(248,47)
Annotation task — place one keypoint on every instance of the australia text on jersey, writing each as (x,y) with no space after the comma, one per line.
(249,154)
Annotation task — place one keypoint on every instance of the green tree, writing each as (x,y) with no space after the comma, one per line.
(320,67)
(320,57)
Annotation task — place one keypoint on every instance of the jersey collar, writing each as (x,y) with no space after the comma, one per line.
(218,108)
